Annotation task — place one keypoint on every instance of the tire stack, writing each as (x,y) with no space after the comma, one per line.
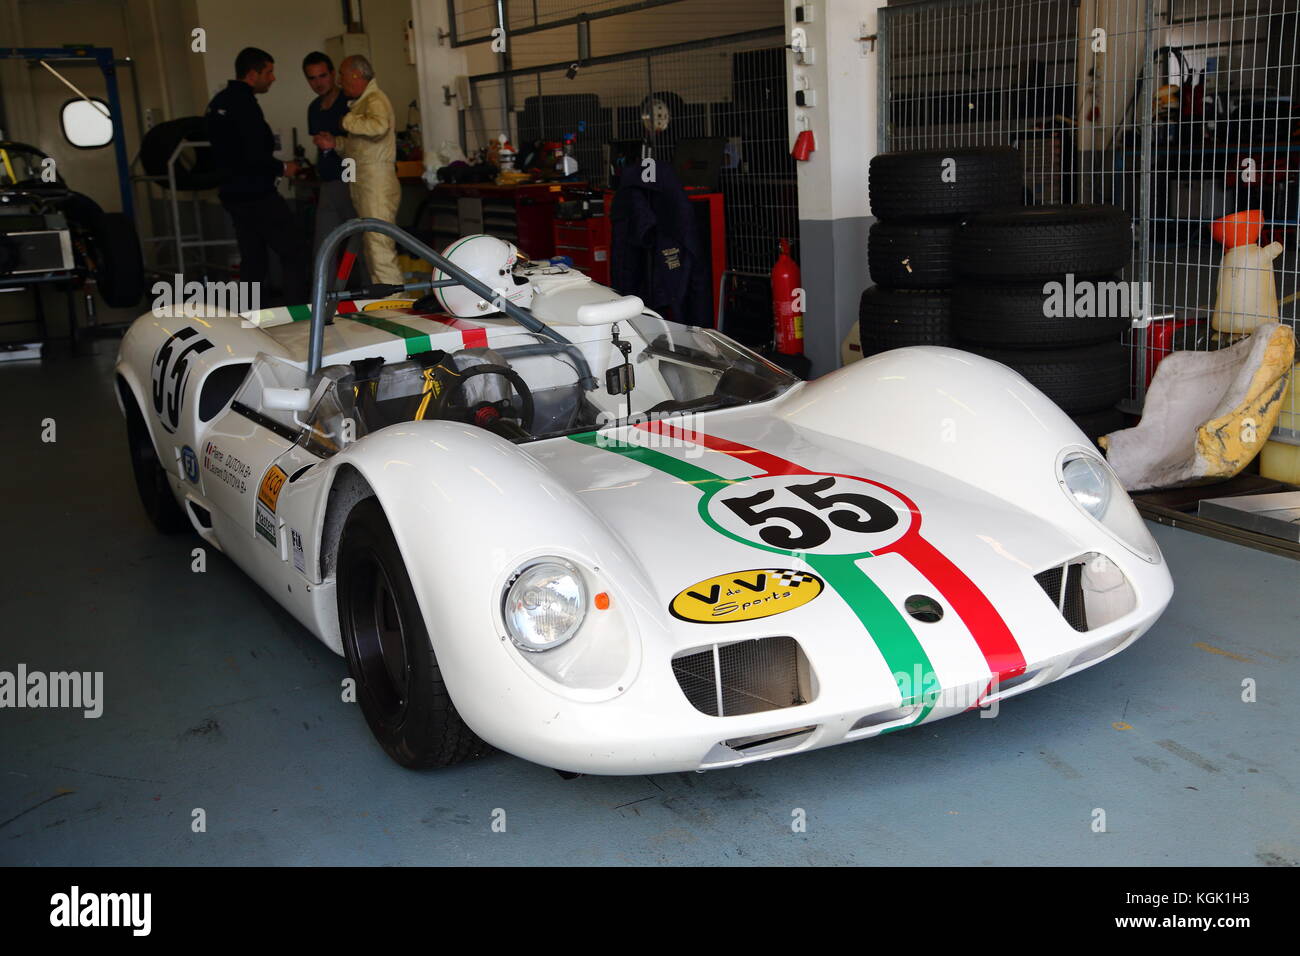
(919,199)
(1003,306)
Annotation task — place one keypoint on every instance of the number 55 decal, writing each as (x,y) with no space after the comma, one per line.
(171,367)
(817,514)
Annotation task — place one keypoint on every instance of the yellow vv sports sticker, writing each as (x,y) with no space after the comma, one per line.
(745,595)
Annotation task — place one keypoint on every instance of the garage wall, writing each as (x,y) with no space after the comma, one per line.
(296,28)
(33,98)
(658,26)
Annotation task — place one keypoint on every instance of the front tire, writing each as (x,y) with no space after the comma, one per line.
(151,482)
(398,680)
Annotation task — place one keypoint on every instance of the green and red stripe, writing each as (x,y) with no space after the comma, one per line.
(888,628)
(893,636)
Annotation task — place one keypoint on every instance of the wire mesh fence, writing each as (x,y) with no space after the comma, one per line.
(1179,111)
(725,94)
(473,21)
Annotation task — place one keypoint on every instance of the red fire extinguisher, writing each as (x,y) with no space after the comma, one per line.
(787,303)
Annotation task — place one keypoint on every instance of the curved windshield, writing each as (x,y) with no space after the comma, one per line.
(523,387)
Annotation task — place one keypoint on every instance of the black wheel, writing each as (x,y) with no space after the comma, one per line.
(81,208)
(922,184)
(911,255)
(399,684)
(891,319)
(118,266)
(1103,422)
(1044,242)
(150,479)
(1017,317)
(1078,380)
(195,168)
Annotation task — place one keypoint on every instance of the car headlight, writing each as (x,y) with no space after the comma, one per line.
(1095,489)
(544,604)
(1087,480)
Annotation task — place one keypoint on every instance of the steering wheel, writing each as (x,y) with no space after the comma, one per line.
(486,414)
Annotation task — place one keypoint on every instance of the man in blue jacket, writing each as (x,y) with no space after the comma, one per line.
(244,147)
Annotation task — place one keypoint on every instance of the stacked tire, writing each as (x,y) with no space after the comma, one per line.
(919,199)
(1020,274)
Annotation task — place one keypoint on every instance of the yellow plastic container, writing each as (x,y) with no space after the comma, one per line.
(1290,417)
(1280,461)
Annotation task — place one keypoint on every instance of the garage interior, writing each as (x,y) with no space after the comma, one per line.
(1180,117)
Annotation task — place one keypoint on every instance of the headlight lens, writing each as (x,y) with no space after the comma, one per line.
(545,604)
(1096,490)
(1087,480)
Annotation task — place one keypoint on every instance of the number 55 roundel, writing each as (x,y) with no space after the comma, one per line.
(808,514)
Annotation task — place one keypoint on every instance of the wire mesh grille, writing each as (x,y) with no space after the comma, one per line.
(747,677)
(1180,111)
(1067,595)
(730,89)
(475,19)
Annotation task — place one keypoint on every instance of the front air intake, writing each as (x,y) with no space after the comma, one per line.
(747,677)
(1063,584)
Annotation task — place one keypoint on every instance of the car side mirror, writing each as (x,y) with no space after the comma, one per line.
(607,313)
(286,399)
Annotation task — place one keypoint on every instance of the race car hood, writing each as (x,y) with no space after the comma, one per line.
(747,525)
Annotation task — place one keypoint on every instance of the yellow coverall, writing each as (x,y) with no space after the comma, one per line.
(372,143)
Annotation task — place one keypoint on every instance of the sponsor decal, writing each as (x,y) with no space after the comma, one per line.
(190,464)
(299,559)
(403,304)
(171,372)
(745,595)
(226,467)
(268,493)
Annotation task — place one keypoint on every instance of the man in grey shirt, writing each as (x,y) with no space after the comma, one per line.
(325,115)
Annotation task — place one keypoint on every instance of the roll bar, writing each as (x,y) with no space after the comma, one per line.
(320,292)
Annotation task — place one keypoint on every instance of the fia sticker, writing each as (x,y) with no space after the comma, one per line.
(745,595)
(190,463)
(299,559)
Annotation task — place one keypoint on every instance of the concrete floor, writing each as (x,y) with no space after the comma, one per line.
(216,699)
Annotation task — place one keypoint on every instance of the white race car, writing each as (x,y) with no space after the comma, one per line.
(541,517)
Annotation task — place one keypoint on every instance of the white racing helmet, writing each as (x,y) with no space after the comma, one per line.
(491,261)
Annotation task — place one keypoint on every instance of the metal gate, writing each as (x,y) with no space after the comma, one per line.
(1180,111)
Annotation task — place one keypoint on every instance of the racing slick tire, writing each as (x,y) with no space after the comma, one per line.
(119,266)
(1044,242)
(150,479)
(398,681)
(1013,317)
(1086,379)
(921,184)
(911,255)
(891,319)
(1098,423)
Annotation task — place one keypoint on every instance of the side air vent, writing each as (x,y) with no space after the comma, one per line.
(202,517)
(747,677)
